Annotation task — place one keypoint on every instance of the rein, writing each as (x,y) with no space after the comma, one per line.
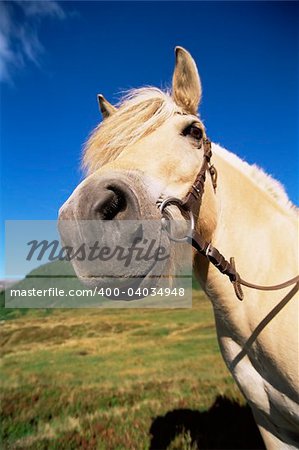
(189,207)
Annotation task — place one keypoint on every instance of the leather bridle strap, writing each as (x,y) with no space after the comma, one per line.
(194,195)
(229,269)
(192,200)
(218,260)
(191,205)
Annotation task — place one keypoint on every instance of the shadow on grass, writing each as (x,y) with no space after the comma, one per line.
(226,425)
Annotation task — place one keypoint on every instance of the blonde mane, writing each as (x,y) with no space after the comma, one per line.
(142,111)
(257,176)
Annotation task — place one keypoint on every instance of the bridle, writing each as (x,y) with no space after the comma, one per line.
(189,207)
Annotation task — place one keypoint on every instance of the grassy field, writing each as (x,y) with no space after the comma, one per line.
(119,379)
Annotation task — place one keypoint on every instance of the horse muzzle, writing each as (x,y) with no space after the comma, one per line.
(111,233)
(102,199)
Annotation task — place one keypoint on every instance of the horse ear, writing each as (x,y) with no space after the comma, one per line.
(105,107)
(186,86)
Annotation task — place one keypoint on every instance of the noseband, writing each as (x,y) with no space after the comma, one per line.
(189,207)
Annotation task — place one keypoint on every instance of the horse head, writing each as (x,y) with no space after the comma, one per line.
(148,148)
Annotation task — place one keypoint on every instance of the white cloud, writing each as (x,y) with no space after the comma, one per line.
(19,26)
(42,8)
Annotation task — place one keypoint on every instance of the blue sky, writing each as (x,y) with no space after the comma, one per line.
(55,57)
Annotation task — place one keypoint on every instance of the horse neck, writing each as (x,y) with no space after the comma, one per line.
(253,228)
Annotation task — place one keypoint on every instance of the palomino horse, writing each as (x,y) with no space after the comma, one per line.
(152,146)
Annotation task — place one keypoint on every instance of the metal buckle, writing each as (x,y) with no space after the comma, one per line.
(180,205)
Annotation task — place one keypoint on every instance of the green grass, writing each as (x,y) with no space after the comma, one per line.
(98,379)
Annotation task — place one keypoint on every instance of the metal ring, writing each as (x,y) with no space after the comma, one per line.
(179,204)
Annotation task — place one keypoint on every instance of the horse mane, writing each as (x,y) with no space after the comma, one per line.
(140,112)
(259,177)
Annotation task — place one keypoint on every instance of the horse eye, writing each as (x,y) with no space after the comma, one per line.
(194,131)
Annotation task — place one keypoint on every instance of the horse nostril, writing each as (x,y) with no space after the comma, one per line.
(111,203)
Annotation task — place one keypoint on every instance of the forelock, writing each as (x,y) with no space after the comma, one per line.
(140,112)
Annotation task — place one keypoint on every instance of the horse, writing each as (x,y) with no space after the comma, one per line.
(151,145)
